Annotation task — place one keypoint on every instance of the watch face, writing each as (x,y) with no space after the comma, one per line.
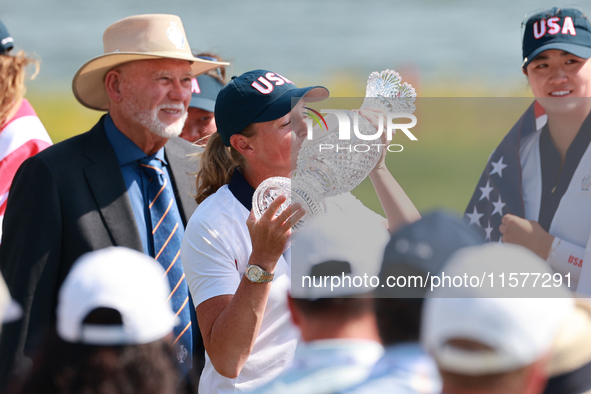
(254,273)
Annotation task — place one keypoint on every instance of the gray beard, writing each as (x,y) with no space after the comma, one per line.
(149,119)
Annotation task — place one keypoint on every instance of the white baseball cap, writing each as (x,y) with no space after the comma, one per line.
(122,279)
(516,331)
(348,246)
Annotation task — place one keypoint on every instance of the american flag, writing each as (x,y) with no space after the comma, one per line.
(499,189)
(21,137)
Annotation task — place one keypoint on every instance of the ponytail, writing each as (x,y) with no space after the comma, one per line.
(218,163)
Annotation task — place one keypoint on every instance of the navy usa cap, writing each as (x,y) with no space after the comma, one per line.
(6,40)
(566,29)
(258,96)
(421,249)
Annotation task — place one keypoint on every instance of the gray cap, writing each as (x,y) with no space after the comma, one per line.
(205,89)
(421,249)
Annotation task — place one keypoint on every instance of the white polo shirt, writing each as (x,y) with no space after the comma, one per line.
(215,251)
(571,225)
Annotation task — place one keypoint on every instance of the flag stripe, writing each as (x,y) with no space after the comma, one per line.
(11,163)
(19,131)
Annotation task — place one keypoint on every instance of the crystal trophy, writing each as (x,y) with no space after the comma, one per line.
(320,174)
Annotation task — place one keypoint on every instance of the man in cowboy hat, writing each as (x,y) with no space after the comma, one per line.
(96,190)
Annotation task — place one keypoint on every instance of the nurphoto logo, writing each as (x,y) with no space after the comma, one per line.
(357,141)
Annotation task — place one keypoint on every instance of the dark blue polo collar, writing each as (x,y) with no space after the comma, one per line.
(241,189)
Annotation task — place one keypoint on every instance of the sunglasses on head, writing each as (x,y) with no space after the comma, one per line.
(217,71)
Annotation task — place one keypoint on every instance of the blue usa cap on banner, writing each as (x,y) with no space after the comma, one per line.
(258,96)
(566,29)
(6,40)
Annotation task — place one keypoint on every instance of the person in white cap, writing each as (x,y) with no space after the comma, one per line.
(125,182)
(570,364)
(494,339)
(337,324)
(113,332)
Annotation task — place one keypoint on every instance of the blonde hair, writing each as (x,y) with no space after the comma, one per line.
(12,80)
(218,163)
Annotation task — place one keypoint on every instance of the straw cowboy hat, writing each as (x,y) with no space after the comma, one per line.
(135,38)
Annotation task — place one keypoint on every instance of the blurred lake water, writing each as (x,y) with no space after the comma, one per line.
(308,40)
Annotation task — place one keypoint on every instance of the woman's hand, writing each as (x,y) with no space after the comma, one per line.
(270,234)
(526,233)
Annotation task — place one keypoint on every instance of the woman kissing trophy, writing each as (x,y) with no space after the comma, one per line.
(324,173)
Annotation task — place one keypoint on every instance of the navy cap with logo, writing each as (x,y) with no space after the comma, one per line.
(566,29)
(205,89)
(258,96)
(422,249)
(6,40)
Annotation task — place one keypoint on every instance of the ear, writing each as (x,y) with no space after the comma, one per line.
(296,317)
(524,70)
(242,144)
(113,85)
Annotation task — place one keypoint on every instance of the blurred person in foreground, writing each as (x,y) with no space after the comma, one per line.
(570,365)
(418,250)
(200,123)
(125,182)
(534,190)
(22,134)
(238,267)
(113,332)
(338,326)
(486,339)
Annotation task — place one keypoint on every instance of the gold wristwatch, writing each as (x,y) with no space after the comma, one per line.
(256,274)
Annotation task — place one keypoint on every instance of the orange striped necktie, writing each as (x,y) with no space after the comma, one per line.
(166,232)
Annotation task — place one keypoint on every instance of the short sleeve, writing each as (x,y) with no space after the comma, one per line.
(214,248)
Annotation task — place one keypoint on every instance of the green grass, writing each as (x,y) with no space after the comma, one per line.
(61,114)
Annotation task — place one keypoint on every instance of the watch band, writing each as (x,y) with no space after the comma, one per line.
(266,277)
(256,274)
